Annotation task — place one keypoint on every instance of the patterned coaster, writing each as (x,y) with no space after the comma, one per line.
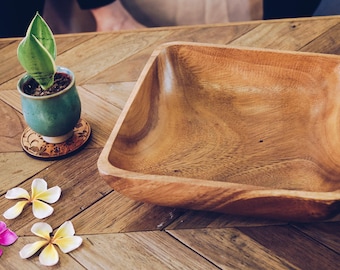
(34,145)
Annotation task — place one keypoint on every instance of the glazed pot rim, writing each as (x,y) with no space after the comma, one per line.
(60,69)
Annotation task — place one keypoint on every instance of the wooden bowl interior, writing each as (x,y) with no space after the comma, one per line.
(269,119)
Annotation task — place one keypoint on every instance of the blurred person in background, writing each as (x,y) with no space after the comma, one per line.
(110,15)
(70,16)
(155,13)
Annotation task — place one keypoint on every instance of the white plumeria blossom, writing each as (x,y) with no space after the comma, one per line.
(64,238)
(39,199)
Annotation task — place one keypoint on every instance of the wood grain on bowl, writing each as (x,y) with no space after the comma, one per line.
(231,129)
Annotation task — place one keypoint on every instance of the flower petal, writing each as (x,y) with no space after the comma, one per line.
(30,249)
(3,227)
(15,210)
(42,229)
(69,243)
(7,237)
(50,196)
(49,256)
(17,193)
(39,185)
(41,209)
(66,229)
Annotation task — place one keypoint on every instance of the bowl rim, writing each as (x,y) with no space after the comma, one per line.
(107,170)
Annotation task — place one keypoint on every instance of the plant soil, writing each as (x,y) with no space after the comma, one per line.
(61,81)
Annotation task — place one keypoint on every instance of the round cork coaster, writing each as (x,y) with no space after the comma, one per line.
(34,145)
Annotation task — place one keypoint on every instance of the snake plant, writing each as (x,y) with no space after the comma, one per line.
(37,52)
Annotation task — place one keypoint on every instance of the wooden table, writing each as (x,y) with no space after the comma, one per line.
(119,233)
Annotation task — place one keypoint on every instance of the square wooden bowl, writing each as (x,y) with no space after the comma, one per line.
(229,129)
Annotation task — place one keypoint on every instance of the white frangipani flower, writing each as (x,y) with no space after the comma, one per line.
(39,199)
(64,238)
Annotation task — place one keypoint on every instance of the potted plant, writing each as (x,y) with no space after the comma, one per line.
(49,98)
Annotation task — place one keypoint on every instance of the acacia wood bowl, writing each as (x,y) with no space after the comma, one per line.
(236,130)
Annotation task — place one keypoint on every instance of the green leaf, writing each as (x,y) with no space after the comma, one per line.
(37,52)
(39,28)
(37,61)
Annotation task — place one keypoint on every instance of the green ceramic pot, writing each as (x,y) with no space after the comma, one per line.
(52,116)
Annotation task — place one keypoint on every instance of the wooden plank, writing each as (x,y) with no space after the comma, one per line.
(230,249)
(66,42)
(99,53)
(328,42)
(10,260)
(292,245)
(131,67)
(113,93)
(11,127)
(327,233)
(10,67)
(120,214)
(285,34)
(81,187)
(16,167)
(4,42)
(100,114)
(203,219)
(12,98)
(137,250)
